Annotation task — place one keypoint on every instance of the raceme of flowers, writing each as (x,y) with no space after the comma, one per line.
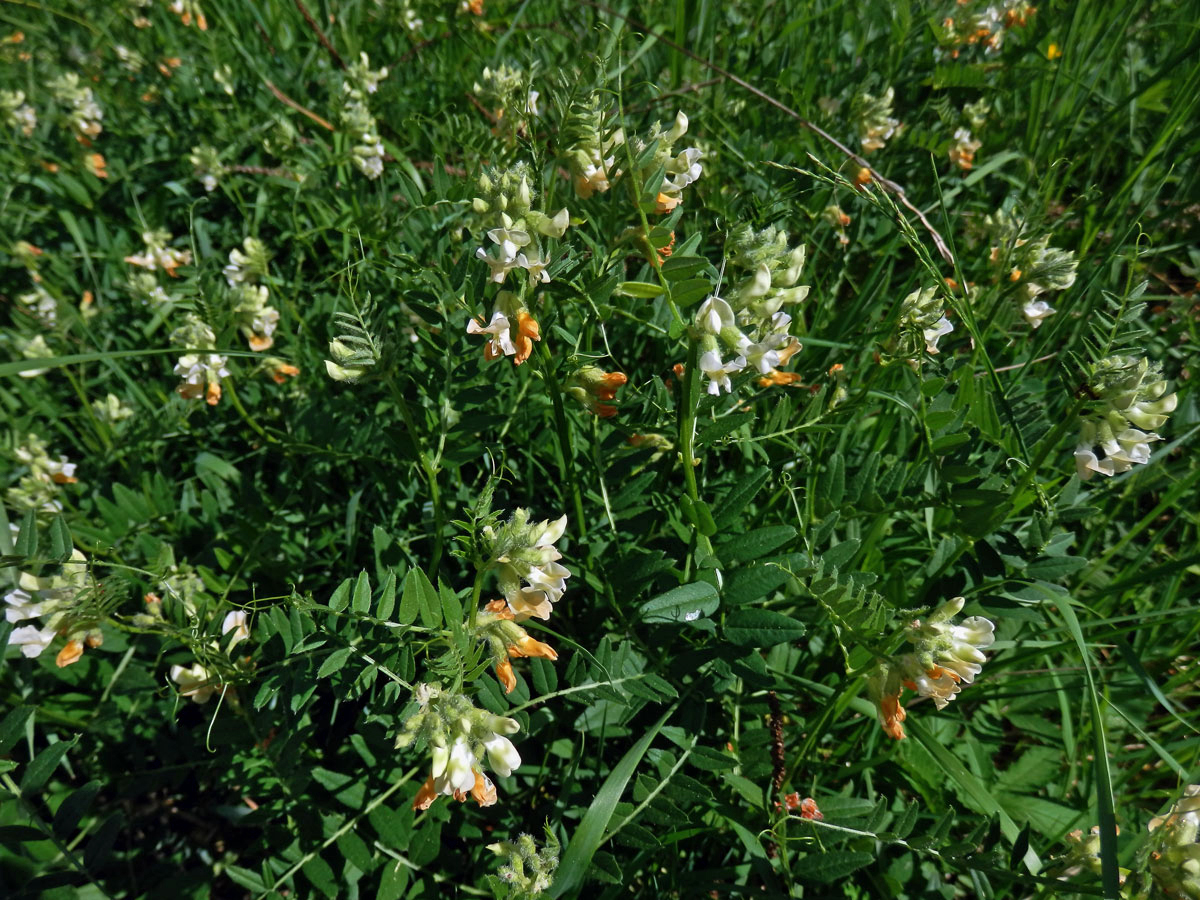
(459,736)
(38,488)
(681,169)
(255,319)
(873,118)
(201,371)
(1128,403)
(922,321)
(749,322)
(943,657)
(1175,847)
(59,602)
(367,153)
(1030,262)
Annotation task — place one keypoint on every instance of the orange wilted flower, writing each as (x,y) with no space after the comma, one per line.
(595,389)
(279,370)
(507,639)
(96,164)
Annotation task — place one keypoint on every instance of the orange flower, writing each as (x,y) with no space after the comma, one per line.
(775,378)
(281,371)
(475,6)
(426,795)
(666,251)
(96,164)
(862,177)
(891,715)
(528,331)
(70,653)
(664,203)
(212,396)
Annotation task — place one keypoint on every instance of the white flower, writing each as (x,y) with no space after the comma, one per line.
(195,682)
(715,314)
(31,639)
(22,605)
(940,329)
(460,769)
(1150,414)
(502,755)
(718,373)
(536,268)
(501,341)
(235,621)
(1036,310)
(1087,463)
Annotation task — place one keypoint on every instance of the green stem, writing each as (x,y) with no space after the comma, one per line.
(428,469)
(246,417)
(476,594)
(687,420)
(566,453)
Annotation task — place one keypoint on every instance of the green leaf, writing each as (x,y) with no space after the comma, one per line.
(591,831)
(756,543)
(19,834)
(428,602)
(387,598)
(340,597)
(319,872)
(334,662)
(677,268)
(738,496)
(361,601)
(26,544)
(834,864)
(1050,568)
(641,289)
(72,809)
(752,627)
(682,604)
(13,727)
(61,544)
(38,772)
(410,600)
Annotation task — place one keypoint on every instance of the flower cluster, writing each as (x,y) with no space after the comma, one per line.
(158,255)
(189,11)
(206,162)
(595,389)
(85,114)
(588,146)
(1031,263)
(505,92)
(943,657)
(873,119)
(16,113)
(60,602)
(201,372)
(529,871)
(922,321)
(360,81)
(970,26)
(514,227)
(679,169)
(145,287)
(1175,848)
(962,151)
(38,487)
(256,320)
(506,639)
(837,219)
(523,555)
(40,304)
(749,321)
(459,736)
(198,681)
(1129,400)
(111,409)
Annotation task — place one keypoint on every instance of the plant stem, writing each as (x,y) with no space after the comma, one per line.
(566,454)
(430,471)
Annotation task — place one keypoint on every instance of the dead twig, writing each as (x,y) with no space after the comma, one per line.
(886,183)
(312,23)
(284,98)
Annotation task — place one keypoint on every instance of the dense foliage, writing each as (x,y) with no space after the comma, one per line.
(624,421)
